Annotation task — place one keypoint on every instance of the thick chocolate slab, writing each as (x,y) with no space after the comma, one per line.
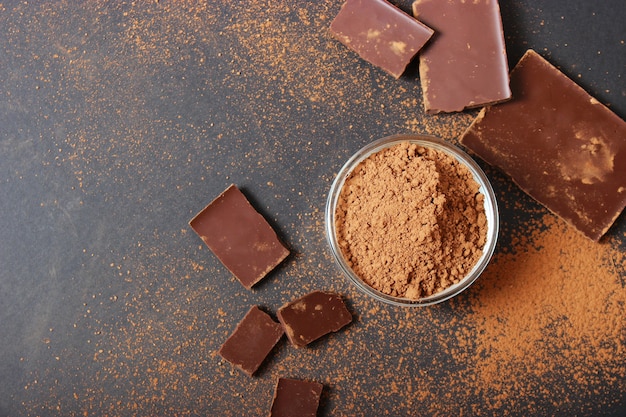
(253,339)
(380,33)
(239,236)
(558,143)
(465,63)
(296,398)
(310,317)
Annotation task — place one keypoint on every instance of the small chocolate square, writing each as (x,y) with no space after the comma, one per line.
(296,398)
(239,236)
(310,317)
(380,33)
(253,339)
(558,143)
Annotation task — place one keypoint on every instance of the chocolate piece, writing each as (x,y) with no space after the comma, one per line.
(295,397)
(559,144)
(380,33)
(310,317)
(239,236)
(253,339)
(465,64)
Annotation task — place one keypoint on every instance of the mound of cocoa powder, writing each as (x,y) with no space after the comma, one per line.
(410,221)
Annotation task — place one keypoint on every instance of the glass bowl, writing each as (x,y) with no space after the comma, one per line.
(490,205)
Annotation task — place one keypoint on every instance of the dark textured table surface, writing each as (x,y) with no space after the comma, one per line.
(119,121)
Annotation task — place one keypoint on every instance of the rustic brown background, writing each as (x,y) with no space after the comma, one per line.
(119,121)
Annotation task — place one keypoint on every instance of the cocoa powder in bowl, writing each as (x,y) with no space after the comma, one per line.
(411,220)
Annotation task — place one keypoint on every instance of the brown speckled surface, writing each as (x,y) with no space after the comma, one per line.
(119,121)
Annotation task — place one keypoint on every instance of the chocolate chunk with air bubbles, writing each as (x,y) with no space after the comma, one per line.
(558,143)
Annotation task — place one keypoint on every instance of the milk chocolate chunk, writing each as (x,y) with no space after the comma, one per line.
(558,143)
(296,398)
(380,33)
(465,64)
(239,236)
(251,342)
(310,317)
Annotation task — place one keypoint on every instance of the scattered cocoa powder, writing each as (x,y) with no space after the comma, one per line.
(553,309)
(411,221)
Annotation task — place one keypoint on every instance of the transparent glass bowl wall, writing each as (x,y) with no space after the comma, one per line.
(491,212)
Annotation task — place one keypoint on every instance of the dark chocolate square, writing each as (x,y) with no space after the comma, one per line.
(239,236)
(558,143)
(380,33)
(253,339)
(310,317)
(296,398)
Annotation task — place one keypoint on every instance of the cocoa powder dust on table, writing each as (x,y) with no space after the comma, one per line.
(410,221)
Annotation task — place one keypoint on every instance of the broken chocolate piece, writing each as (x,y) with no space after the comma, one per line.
(310,317)
(380,33)
(253,339)
(295,397)
(465,64)
(558,143)
(239,236)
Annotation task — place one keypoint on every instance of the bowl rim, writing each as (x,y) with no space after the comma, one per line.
(428,141)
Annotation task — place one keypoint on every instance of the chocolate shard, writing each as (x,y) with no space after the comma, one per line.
(294,397)
(558,143)
(253,339)
(465,64)
(312,316)
(380,33)
(239,236)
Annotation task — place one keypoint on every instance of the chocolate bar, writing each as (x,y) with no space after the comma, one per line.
(465,64)
(294,397)
(253,339)
(239,236)
(310,317)
(558,143)
(380,33)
